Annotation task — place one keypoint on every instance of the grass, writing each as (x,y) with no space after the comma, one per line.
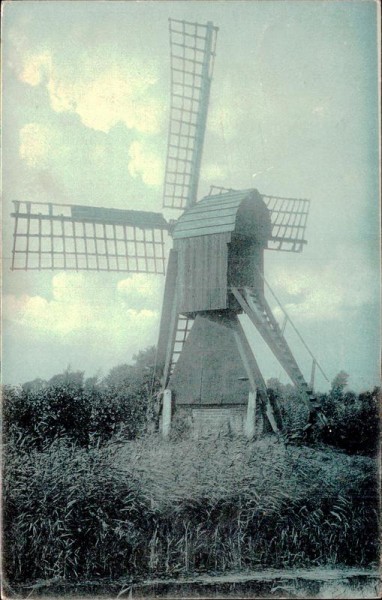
(147,507)
(69,513)
(237,504)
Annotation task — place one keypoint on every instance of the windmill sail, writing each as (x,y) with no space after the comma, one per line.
(192,58)
(289,217)
(63,237)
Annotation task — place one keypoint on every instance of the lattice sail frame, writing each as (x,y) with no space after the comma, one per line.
(289,218)
(68,237)
(193,48)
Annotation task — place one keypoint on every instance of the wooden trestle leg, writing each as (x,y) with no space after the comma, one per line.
(258,391)
(167,333)
(257,309)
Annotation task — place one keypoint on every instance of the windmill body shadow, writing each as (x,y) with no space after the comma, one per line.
(215,270)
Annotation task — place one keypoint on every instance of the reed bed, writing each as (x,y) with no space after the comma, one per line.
(147,507)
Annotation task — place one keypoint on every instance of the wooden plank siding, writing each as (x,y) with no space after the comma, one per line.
(210,370)
(243,212)
(245,261)
(202,272)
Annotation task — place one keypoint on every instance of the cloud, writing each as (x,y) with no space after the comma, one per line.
(112,97)
(141,290)
(36,68)
(36,144)
(332,291)
(145,163)
(83,310)
(102,90)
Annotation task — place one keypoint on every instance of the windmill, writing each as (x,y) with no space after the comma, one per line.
(214,271)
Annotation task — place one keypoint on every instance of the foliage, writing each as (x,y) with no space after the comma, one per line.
(86,412)
(89,493)
(352,419)
(68,513)
(140,383)
(153,507)
(34,416)
(353,422)
(339,384)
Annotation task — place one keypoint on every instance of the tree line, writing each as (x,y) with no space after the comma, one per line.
(126,403)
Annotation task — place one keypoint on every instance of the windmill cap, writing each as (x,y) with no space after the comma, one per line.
(240,212)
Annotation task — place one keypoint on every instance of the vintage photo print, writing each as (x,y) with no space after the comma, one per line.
(191,276)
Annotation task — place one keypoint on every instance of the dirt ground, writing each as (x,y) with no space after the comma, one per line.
(317,583)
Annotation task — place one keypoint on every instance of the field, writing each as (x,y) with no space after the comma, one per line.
(108,507)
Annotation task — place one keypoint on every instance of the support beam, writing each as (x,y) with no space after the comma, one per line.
(166,413)
(252,369)
(271,417)
(170,341)
(261,316)
(255,377)
(283,326)
(312,374)
(168,300)
(250,423)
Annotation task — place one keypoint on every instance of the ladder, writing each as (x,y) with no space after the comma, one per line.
(183,328)
(258,310)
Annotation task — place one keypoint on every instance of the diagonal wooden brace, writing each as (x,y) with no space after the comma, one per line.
(256,380)
(264,321)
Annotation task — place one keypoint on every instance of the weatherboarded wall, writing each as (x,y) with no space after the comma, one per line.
(202,272)
(245,261)
(209,370)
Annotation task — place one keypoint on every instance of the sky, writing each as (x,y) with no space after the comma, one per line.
(293,112)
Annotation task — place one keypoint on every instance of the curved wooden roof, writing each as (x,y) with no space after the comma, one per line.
(242,212)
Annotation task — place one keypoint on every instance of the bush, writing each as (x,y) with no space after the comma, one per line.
(85,412)
(353,422)
(35,416)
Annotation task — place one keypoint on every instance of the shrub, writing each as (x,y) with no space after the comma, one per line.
(85,412)
(352,422)
(35,416)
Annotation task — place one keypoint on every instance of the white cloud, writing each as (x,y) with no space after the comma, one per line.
(141,290)
(113,96)
(83,311)
(145,163)
(36,68)
(36,144)
(332,291)
(103,91)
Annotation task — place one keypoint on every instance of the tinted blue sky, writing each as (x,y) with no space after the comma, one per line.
(293,112)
